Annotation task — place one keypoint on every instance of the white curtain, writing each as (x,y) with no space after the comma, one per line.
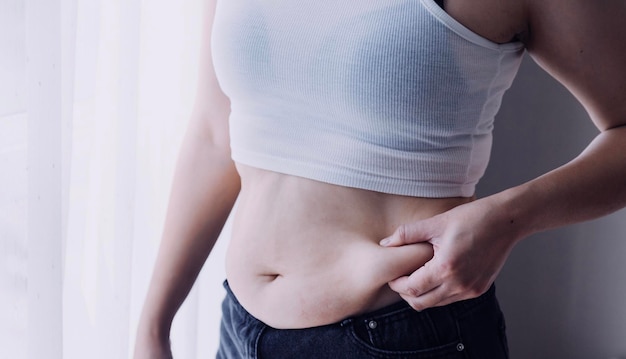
(103,93)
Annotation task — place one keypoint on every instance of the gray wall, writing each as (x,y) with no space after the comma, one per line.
(563,291)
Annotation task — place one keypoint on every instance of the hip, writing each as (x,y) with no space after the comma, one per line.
(468,329)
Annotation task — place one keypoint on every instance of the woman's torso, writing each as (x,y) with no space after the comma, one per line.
(305,253)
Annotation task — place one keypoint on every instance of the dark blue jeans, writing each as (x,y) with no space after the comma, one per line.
(470,329)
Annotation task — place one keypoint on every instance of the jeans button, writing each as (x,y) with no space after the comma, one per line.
(372,324)
(460,347)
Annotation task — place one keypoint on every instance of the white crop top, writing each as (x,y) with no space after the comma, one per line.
(393,96)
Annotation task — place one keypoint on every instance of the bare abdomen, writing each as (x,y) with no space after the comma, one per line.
(305,253)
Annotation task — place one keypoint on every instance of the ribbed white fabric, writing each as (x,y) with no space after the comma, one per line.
(392,96)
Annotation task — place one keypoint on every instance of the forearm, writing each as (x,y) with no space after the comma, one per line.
(205,187)
(590,186)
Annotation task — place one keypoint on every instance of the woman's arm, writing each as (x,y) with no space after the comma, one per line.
(583,45)
(205,187)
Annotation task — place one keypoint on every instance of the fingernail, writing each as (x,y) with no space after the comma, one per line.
(385,242)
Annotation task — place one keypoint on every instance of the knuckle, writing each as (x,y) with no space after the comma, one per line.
(402,233)
(470,290)
(413,292)
(464,287)
(473,292)
(447,268)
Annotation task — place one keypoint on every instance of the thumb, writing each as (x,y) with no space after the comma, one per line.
(409,233)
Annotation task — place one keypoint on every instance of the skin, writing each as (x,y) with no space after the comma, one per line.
(436,251)
(580,44)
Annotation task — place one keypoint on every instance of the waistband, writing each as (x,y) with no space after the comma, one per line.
(459,308)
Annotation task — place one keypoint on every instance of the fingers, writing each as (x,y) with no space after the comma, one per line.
(435,298)
(427,296)
(427,288)
(409,233)
(417,284)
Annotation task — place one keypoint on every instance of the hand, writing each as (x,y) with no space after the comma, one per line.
(471,243)
(151,347)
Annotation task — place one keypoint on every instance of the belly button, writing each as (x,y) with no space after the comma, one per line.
(271,277)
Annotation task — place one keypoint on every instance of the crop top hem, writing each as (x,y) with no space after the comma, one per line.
(346,178)
(394,97)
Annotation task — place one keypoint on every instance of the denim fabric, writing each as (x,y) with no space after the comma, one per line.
(471,329)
